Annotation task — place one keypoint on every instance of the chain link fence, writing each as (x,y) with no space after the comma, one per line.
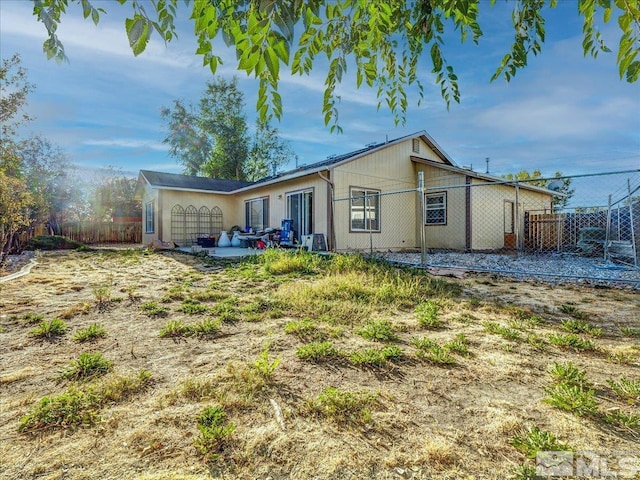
(582,227)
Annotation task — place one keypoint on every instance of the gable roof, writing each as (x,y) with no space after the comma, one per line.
(189,182)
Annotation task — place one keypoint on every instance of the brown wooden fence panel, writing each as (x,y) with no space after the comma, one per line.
(544,231)
(104,232)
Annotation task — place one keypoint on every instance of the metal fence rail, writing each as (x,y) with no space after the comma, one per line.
(588,225)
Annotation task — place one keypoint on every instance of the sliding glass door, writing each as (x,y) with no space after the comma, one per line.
(300,210)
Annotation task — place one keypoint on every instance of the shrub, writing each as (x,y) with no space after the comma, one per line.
(88,365)
(92,332)
(343,406)
(152,309)
(214,429)
(378,331)
(53,328)
(572,398)
(52,242)
(317,351)
(533,440)
(428,314)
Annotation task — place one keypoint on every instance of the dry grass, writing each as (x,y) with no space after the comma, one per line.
(428,420)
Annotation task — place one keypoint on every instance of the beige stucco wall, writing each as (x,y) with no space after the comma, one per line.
(451,235)
(149,195)
(487,207)
(277,195)
(387,170)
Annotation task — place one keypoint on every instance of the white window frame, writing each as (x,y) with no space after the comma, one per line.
(265,212)
(365,195)
(149,220)
(435,207)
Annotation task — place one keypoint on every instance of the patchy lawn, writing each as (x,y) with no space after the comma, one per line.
(170,366)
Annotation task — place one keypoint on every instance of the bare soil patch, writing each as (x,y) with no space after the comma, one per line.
(428,420)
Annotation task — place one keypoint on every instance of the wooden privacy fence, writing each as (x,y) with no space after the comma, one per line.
(103,232)
(555,231)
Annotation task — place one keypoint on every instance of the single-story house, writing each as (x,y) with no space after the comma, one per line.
(360,200)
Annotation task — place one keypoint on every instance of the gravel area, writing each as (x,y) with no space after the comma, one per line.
(552,268)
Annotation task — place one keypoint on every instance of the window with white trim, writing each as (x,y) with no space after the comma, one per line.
(148,218)
(256,213)
(365,210)
(435,206)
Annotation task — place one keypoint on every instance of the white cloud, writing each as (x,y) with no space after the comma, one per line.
(127,143)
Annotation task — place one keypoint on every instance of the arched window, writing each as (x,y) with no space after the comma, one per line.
(177,225)
(216,221)
(204,220)
(191,225)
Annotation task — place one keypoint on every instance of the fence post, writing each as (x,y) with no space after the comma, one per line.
(607,237)
(517,219)
(633,233)
(421,220)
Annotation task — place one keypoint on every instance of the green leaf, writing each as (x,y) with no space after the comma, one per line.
(138,32)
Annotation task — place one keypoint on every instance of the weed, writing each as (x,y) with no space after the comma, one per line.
(209,295)
(621,358)
(174,328)
(630,332)
(88,365)
(378,331)
(68,410)
(432,351)
(176,292)
(505,332)
(621,419)
(428,314)
(131,294)
(214,429)
(32,318)
(580,326)
(568,374)
(536,342)
(103,296)
(573,341)
(533,440)
(573,311)
(53,328)
(572,398)
(283,262)
(81,308)
(192,307)
(343,406)
(75,408)
(263,365)
(628,390)
(197,389)
(317,352)
(226,311)
(92,332)
(206,327)
(524,471)
(152,309)
(304,329)
(371,357)
(459,345)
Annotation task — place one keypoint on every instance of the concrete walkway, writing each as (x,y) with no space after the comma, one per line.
(23,271)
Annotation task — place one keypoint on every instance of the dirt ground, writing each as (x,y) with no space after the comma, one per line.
(429,421)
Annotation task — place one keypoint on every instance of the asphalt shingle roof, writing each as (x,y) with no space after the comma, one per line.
(173,180)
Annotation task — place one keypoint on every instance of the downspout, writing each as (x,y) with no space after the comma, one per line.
(331,233)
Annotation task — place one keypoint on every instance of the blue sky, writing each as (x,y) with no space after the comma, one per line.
(563,112)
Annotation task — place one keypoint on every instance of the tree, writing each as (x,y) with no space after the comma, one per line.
(213,139)
(384,41)
(267,153)
(536,179)
(112,194)
(14,205)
